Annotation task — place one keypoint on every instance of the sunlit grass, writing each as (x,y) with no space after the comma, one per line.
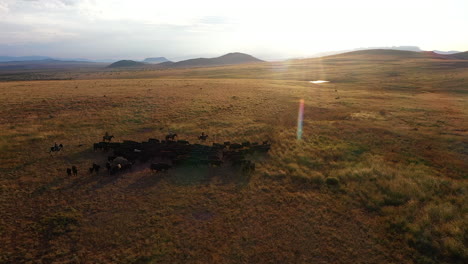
(385,152)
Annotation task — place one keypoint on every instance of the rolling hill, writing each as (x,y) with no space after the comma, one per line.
(155,60)
(125,64)
(380,54)
(460,56)
(228,59)
(392,55)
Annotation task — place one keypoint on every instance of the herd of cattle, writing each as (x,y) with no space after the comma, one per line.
(178,153)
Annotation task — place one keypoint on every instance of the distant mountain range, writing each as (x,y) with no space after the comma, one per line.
(38,58)
(388,54)
(403,48)
(228,59)
(42,62)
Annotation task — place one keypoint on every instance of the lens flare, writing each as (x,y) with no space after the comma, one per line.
(300,119)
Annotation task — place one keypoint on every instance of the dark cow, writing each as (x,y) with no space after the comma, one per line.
(183,142)
(218,146)
(235,146)
(69,172)
(160,167)
(75,171)
(262,148)
(240,163)
(101,146)
(248,167)
(96,168)
(215,162)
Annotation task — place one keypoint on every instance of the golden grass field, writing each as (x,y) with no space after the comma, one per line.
(392,132)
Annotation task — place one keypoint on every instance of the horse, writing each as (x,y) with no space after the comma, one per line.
(171,136)
(203,137)
(108,138)
(56,148)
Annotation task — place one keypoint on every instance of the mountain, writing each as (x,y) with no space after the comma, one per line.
(460,55)
(46,64)
(126,63)
(39,58)
(380,54)
(329,53)
(155,60)
(390,54)
(228,59)
(24,58)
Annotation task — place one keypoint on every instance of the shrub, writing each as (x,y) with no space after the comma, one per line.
(332,181)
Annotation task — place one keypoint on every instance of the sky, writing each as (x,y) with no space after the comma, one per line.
(176,29)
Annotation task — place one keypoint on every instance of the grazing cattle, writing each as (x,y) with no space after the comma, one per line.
(56,148)
(153,140)
(215,162)
(107,137)
(119,164)
(96,168)
(101,146)
(170,155)
(262,148)
(248,167)
(75,170)
(171,136)
(183,142)
(127,166)
(240,163)
(203,137)
(235,146)
(69,171)
(218,146)
(160,167)
(114,169)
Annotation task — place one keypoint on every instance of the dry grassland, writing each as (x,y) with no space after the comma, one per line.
(380,175)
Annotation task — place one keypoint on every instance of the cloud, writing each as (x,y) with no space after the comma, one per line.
(4,8)
(161,27)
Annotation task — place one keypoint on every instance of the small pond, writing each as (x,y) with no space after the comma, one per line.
(319,81)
